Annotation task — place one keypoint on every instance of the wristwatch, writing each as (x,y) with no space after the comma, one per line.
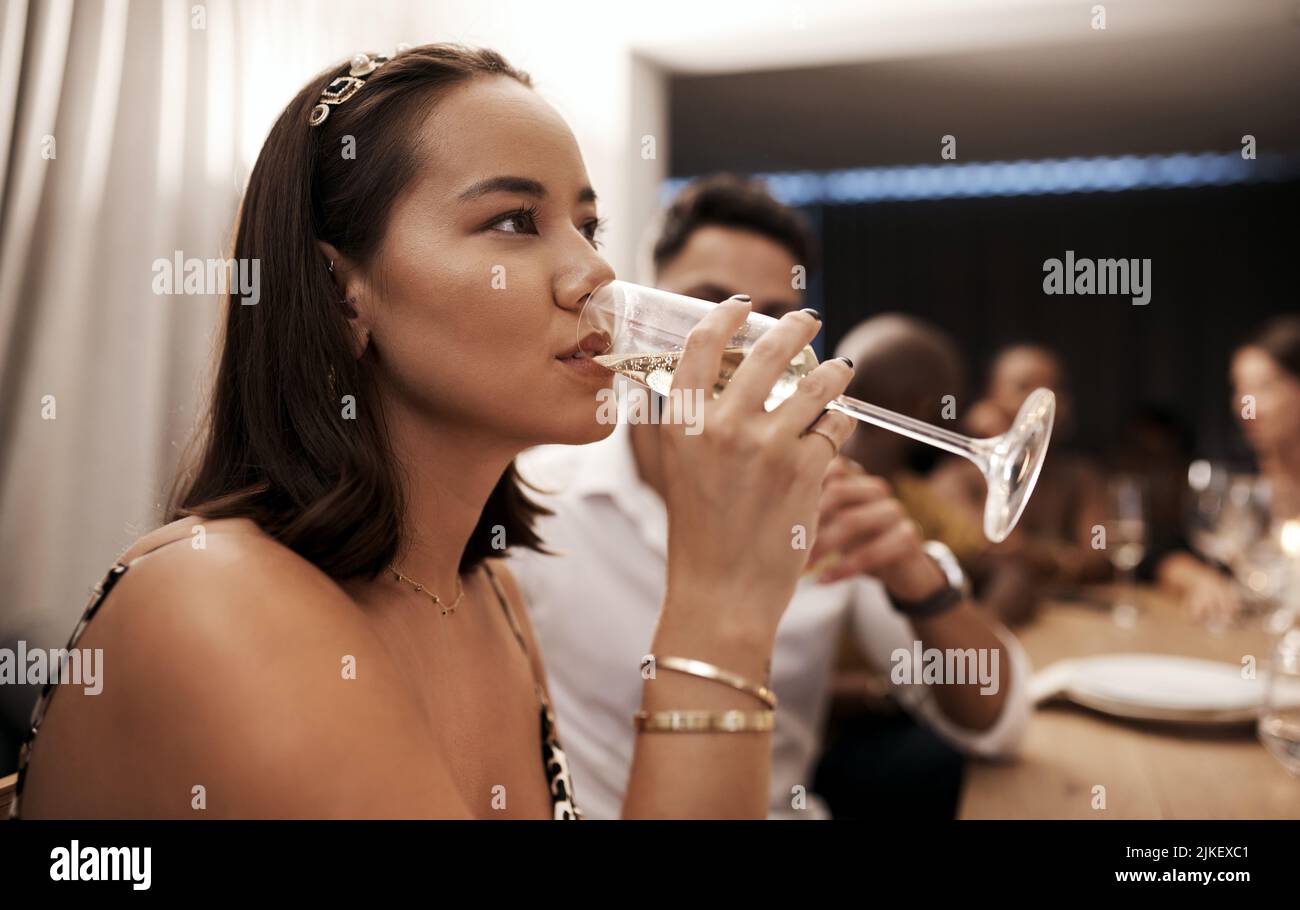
(947,561)
(946,597)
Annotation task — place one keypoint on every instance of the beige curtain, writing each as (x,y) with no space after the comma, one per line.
(126,133)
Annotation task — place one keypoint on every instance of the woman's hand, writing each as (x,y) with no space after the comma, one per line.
(742,492)
(741,489)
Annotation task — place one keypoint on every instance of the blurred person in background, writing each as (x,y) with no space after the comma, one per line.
(1265,367)
(1053,539)
(912,367)
(1156,446)
(594,607)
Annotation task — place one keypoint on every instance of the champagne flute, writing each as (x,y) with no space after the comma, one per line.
(1209,484)
(1126,541)
(641,332)
(1243,519)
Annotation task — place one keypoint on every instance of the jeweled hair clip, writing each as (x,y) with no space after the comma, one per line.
(344,87)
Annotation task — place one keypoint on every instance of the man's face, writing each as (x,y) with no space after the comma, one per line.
(1020,371)
(718,261)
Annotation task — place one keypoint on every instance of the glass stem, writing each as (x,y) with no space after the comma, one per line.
(928,433)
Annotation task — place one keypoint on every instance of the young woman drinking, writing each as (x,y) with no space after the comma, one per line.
(322,628)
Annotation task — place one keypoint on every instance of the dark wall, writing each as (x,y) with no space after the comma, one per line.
(1182,91)
(1223,259)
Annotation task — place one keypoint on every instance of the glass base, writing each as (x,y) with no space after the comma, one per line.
(1014,463)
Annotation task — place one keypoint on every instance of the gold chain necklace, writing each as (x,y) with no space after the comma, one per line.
(446,608)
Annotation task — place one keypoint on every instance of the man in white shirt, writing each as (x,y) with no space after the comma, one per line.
(594,604)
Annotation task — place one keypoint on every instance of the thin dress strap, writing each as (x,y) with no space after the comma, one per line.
(93,603)
(554,761)
(510,616)
(96,600)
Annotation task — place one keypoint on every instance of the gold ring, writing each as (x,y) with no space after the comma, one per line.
(835,446)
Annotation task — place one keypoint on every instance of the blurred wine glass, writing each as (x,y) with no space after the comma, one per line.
(1286,614)
(1279,718)
(1238,518)
(1127,529)
(1233,527)
(1209,482)
(1250,543)
(1263,571)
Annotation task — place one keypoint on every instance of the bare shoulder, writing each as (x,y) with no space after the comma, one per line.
(231,562)
(221,588)
(238,680)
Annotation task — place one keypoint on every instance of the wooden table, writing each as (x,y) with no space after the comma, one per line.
(8,785)
(1147,771)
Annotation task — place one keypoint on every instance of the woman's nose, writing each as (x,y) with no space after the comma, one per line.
(573,284)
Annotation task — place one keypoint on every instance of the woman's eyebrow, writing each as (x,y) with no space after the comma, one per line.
(525,185)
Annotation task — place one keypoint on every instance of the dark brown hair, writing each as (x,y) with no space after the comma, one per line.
(1279,338)
(904,364)
(275,446)
(731,201)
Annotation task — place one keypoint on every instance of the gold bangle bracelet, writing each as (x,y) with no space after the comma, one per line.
(716,674)
(700,721)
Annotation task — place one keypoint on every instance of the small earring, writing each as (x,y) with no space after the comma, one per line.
(331,266)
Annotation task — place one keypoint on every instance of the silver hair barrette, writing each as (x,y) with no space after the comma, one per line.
(344,87)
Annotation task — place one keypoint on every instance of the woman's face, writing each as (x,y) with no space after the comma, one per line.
(1276,393)
(475,292)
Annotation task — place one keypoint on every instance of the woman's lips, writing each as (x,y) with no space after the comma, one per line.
(585,366)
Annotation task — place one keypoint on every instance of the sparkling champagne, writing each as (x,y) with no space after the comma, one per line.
(657,370)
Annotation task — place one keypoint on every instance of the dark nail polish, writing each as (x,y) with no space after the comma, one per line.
(846,360)
(813,313)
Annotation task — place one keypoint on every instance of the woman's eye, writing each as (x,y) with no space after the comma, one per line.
(591,230)
(521,222)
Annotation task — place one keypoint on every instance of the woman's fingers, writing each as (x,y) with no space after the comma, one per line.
(811,395)
(768,359)
(822,440)
(702,357)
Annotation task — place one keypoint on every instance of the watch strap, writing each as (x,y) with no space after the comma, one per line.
(941,601)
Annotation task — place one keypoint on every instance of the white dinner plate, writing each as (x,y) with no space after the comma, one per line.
(1155,687)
